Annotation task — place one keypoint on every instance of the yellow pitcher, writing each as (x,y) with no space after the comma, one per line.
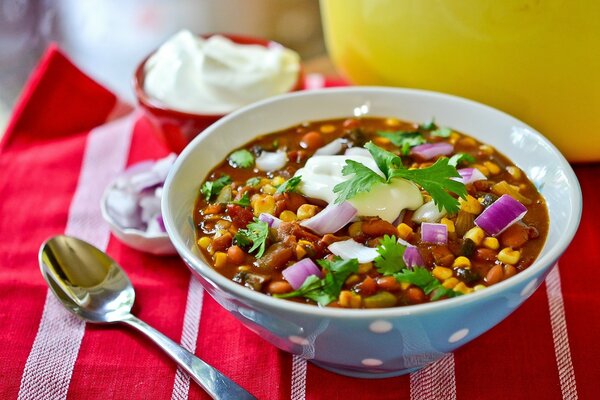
(538,60)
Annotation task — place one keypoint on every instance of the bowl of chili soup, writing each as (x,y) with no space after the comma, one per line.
(413,332)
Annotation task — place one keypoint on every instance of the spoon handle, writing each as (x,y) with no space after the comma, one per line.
(217,385)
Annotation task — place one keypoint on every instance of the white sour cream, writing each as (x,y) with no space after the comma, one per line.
(216,75)
(386,201)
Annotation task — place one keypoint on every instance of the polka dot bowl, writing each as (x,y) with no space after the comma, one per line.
(380,342)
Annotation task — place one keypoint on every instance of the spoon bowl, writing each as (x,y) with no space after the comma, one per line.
(94,287)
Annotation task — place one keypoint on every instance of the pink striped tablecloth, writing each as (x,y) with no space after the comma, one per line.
(69,137)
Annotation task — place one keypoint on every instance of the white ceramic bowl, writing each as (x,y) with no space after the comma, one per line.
(379,342)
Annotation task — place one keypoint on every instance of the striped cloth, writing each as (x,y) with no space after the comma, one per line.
(69,137)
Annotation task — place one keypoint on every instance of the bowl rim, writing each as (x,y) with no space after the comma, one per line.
(157,105)
(203,269)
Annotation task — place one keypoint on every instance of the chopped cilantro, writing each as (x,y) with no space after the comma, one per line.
(460,158)
(436,179)
(241,159)
(422,278)
(256,232)
(244,201)
(253,182)
(325,290)
(211,189)
(441,132)
(404,140)
(390,259)
(289,185)
(428,126)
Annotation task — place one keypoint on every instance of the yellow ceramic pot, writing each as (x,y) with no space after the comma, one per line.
(536,59)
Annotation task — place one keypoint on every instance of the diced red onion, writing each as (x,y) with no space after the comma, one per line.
(428,151)
(123,208)
(470,175)
(331,148)
(297,273)
(428,212)
(412,257)
(434,233)
(331,219)
(501,214)
(272,221)
(271,161)
(357,151)
(348,249)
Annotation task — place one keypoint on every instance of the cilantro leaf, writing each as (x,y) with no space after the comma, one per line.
(289,185)
(441,132)
(325,290)
(404,140)
(256,232)
(362,179)
(422,278)
(428,126)
(459,158)
(253,182)
(244,201)
(386,161)
(210,189)
(436,181)
(390,259)
(241,159)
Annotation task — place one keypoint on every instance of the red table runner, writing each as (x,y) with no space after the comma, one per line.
(68,138)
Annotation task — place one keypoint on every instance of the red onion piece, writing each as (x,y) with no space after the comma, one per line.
(412,257)
(434,233)
(470,175)
(271,161)
(428,212)
(331,219)
(500,215)
(428,151)
(331,148)
(348,249)
(297,273)
(272,221)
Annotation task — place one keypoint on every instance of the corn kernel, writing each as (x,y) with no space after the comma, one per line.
(355,229)
(441,273)
(264,204)
(450,283)
(509,256)
(486,149)
(264,181)
(352,279)
(304,243)
(454,138)
(349,299)
(479,287)
(461,262)
(404,231)
(483,169)
(278,180)
(268,189)
(300,252)
(491,243)
(327,128)
(287,216)
(365,267)
(492,167)
(243,268)
(476,234)
(220,259)
(515,172)
(470,205)
(204,242)
(449,224)
(306,211)
(392,121)
(404,285)
(381,140)
(462,288)
(467,141)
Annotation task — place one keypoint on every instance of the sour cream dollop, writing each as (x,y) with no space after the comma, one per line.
(216,75)
(321,173)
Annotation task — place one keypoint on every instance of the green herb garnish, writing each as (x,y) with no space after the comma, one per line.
(428,126)
(325,290)
(241,159)
(460,158)
(404,140)
(391,256)
(436,179)
(244,201)
(423,278)
(290,185)
(256,232)
(211,189)
(441,132)
(253,182)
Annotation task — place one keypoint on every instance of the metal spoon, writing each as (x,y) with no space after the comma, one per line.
(93,286)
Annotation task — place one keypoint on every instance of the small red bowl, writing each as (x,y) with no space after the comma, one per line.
(177,128)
